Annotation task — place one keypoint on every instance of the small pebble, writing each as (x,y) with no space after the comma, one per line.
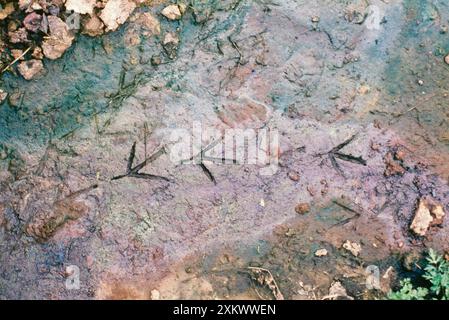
(363,89)
(352,247)
(293,176)
(172,12)
(375,146)
(399,155)
(302,208)
(321,253)
(29,69)
(156,60)
(155,295)
(3,95)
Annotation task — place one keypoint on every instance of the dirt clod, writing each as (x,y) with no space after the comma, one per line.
(321,253)
(93,26)
(32,22)
(60,38)
(353,247)
(302,208)
(337,292)
(17,54)
(37,53)
(155,294)
(150,22)
(400,155)
(7,10)
(411,260)
(428,213)
(3,95)
(170,44)
(81,6)
(172,12)
(392,167)
(156,60)
(293,175)
(364,89)
(29,69)
(265,278)
(116,12)
(18,36)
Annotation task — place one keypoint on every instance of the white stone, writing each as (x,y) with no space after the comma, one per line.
(81,6)
(116,12)
(172,12)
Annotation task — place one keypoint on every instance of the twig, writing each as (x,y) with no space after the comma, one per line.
(16,59)
(276,292)
(236,47)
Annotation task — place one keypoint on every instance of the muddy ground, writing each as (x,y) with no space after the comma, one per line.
(315,71)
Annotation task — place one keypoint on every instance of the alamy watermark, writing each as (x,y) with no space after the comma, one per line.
(203,144)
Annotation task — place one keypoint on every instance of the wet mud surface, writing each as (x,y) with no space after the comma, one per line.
(362,116)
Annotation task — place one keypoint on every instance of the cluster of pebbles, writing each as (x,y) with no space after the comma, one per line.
(32,30)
